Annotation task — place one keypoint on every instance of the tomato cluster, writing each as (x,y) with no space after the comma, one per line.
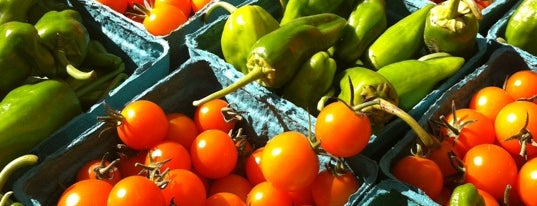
(206,160)
(491,143)
(159,17)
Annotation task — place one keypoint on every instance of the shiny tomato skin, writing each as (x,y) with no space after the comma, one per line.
(233,183)
(511,120)
(181,129)
(85,193)
(341,131)
(329,189)
(214,154)
(265,194)
(490,100)
(136,191)
(178,156)
(164,19)
(185,188)
(184,5)
(252,167)
(522,84)
(144,125)
(116,5)
(527,182)
(209,116)
(420,172)
(224,198)
(289,162)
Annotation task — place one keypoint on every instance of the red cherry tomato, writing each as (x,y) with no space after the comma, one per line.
(210,116)
(136,191)
(512,120)
(184,5)
(289,162)
(116,5)
(175,154)
(100,169)
(233,183)
(341,131)
(214,154)
(420,172)
(252,167)
(329,189)
(490,100)
(522,84)
(143,126)
(265,194)
(164,19)
(181,129)
(527,182)
(224,198)
(480,162)
(85,193)
(127,164)
(185,188)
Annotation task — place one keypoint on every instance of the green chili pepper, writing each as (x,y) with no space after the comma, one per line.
(311,82)
(64,34)
(466,195)
(8,170)
(359,84)
(414,79)
(299,8)
(365,24)
(521,28)
(277,56)
(452,27)
(401,41)
(247,23)
(15,10)
(21,54)
(32,112)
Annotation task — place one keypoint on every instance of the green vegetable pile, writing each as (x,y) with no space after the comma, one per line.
(52,71)
(346,49)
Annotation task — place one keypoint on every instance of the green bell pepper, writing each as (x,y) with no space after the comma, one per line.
(314,78)
(365,24)
(276,57)
(64,34)
(452,27)
(414,79)
(298,8)
(15,10)
(32,112)
(247,23)
(21,55)
(359,84)
(521,28)
(466,195)
(401,41)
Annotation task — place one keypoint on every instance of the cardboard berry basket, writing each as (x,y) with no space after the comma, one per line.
(503,61)
(264,115)
(205,42)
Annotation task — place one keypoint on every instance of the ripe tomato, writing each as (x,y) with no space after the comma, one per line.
(471,128)
(489,199)
(144,125)
(252,167)
(210,116)
(184,5)
(224,198)
(233,183)
(85,193)
(341,131)
(136,190)
(214,154)
(490,168)
(164,19)
(302,197)
(441,156)
(116,5)
(185,188)
(101,170)
(420,172)
(522,84)
(265,194)
(199,4)
(181,129)
(511,120)
(527,182)
(127,164)
(329,189)
(178,156)
(289,162)
(489,100)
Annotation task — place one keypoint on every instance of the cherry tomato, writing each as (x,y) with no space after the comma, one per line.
(116,5)
(265,194)
(127,164)
(85,193)
(210,116)
(136,190)
(420,172)
(144,125)
(341,131)
(442,157)
(224,198)
(164,19)
(329,189)
(185,187)
(214,154)
(176,155)
(490,168)
(472,128)
(233,183)
(100,169)
(184,5)
(489,199)
(199,4)
(511,120)
(289,162)
(522,84)
(527,182)
(252,167)
(302,197)
(490,100)
(181,129)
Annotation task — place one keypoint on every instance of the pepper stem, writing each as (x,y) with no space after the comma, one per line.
(72,70)
(17,163)
(452,9)
(386,106)
(254,74)
(218,4)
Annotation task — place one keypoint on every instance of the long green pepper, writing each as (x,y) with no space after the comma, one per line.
(521,28)
(276,57)
(299,8)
